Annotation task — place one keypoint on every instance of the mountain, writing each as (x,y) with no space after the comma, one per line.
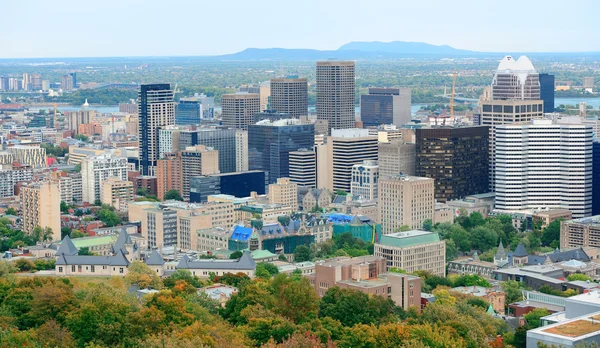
(401,47)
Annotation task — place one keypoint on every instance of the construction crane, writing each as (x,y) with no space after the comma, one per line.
(452,96)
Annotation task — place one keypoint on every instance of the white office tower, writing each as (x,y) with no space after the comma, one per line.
(544,165)
(516,79)
(365,180)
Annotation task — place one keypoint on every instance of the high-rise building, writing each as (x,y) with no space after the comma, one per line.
(284,192)
(197,160)
(77,118)
(544,165)
(241,151)
(365,180)
(456,158)
(516,79)
(223,140)
(40,206)
(547,91)
(263,91)
(335,94)
(238,109)
(289,95)
(596,177)
(74,79)
(156,109)
(45,85)
(36,82)
(588,82)
(168,174)
(188,112)
(303,168)
(26,85)
(117,193)
(96,169)
(413,251)
(31,155)
(405,200)
(66,82)
(4,84)
(583,232)
(270,143)
(396,157)
(347,147)
(385,106)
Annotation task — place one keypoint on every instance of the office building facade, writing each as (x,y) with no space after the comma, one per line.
(156,109)
(269,145)
(235,184)
(544,165)
(188,112)
(238,109)
(396,157)
(456,158)
(385,106)
(516,79)
(290,96)
(365,180)
(335,93)
(547,92)
(222,140)
(303,168)
(405,200)
(284,192)
(347,148)
(580,233)
(197,160)
(168,174)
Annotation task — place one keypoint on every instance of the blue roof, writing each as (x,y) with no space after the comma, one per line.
(241,233)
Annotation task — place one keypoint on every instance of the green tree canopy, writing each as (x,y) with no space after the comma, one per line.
(173,194)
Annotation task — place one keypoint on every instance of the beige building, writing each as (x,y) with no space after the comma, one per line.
(241,150)
(316,198)
(77,118)
(117,193)
(544,218)
(96,169)
(40,206)
(31,155)
(396,157)
(413,251)
(284,192)
(197,160)
(335,93)
(584,232)
(263,91)
(364,182)
(443,213)
(210,239)
(238,109)
(290,96)
(405,200)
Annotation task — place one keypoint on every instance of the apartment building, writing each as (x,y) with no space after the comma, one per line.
(117,193)
(284,192)
(396,157)
(31,155)
(96,169)
(40,206)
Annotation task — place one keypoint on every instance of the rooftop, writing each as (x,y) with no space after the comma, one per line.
(591,220)
(409,238)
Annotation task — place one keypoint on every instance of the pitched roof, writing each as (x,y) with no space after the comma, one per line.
(155,259)
(241,233)
(500,253)
(67,247)
(117,260)
(246,262)
(520,251)
(124,239)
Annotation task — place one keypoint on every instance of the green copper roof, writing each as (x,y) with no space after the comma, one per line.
(490,310)
(94,241)
(409,238)
(262,254)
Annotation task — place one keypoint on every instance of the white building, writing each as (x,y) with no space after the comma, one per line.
(96,169)
(241,151)
(544,165)
(365,179)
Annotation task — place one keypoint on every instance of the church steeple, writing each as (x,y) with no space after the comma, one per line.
(500,259)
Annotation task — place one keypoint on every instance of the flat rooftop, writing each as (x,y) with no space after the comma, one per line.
(409,238)
(590,220)
(347,261)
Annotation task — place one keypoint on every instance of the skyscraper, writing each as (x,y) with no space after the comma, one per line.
(238,109)
(289,95)
(156,109)
(270,144)
(396,157)
(197,160)
(385,106)
(547,91)
(516,79)
(188,112)
(405,200)
(36,82)
(544,165)
(40,206)
(74,79)
(456,158)
(66,82)
(303,168)
(335,93)
(365,180)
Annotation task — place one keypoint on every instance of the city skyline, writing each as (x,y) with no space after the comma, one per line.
(202,21)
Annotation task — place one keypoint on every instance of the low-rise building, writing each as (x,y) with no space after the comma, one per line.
(544,218)
(210,239)
(583,232)
(219,292)
(481,203)
(495,297)
(204,268)
(117,193)
(413,251)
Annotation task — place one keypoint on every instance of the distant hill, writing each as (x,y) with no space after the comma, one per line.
(401,47)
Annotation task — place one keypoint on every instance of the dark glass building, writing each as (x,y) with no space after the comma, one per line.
(74,78)
(219,139)
(235,184)
(547,91)
(596,177)
(457,158)
(188,112)
(270,143)
(385,106)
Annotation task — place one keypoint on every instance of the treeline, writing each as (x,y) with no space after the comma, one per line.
(282,311)
(109,96)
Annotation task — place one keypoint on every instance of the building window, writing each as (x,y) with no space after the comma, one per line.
(92,268)
(121,270)
(60,269)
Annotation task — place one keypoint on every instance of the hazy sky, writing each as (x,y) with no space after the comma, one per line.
(88,28)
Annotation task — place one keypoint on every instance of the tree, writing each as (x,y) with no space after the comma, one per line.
(65,231)
(11,211)
(578,276)
(142,191)
(295,298)
(24,265)
(396,270)
(64,207)
(77,168)
(302,253)
(451,250)
(82,137)
(173,194)
(428,225)
(269,267)
(236,255)
(108,217)
(85,251)
(402,228)
(282,257)
(352,307)
(551,234)
(512,290)
(141,275)
(533,317)
(483,238)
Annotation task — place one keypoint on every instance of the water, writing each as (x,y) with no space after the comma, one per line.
(594,102)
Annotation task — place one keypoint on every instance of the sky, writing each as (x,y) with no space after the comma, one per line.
(106,28)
